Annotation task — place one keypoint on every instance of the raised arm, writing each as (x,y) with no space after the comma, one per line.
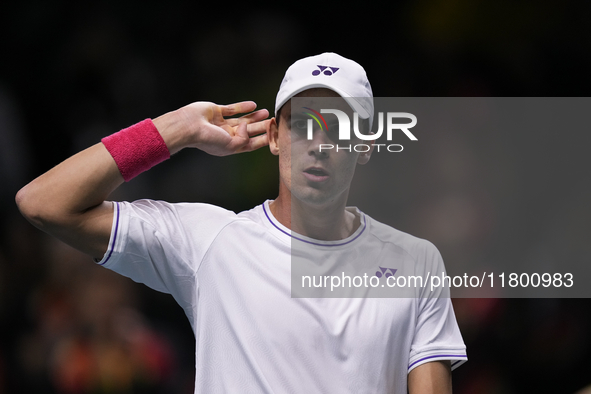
(68,201)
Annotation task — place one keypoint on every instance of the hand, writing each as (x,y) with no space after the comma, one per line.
(205,127)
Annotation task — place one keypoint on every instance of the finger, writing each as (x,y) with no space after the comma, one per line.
(238,108)
(240,136)
(255,143)
(250,118)
(258,127)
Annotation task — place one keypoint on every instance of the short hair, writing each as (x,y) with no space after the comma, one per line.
(278,115)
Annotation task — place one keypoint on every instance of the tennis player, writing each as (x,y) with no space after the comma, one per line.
(231,272)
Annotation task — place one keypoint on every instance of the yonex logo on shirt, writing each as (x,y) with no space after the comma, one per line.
(324,70)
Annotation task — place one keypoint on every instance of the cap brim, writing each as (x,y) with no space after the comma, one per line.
(357,107)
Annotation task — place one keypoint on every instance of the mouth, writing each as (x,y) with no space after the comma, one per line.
(316,174)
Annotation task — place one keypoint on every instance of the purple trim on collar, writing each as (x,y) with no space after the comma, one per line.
(441,355)
(310,242)
(114,235)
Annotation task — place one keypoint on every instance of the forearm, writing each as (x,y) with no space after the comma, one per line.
(175,130)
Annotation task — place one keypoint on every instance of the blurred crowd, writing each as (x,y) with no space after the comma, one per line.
(72,74)
(83,331)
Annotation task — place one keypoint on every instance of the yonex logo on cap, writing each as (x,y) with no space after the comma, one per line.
(325,71)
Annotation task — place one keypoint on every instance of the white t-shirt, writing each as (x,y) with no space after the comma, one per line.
(231,275)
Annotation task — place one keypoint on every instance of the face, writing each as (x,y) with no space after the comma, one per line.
(311,174)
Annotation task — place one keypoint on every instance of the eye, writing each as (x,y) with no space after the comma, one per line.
(299,124)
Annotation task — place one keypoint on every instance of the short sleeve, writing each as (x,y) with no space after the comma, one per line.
(437,335)
(162,244)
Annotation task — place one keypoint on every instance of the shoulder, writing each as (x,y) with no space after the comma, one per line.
(156,206)
(192,220)
(163,210)
(190,215)
(186,228)
(410,244)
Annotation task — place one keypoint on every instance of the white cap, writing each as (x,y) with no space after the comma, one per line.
(332,71)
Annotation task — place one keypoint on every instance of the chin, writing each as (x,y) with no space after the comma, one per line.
(313,196)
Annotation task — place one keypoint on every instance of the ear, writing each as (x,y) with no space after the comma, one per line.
(364,157)
(273,134)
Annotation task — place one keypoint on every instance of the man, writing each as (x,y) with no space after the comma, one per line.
(231,272)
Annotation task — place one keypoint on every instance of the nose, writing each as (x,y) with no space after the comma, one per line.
(320,144)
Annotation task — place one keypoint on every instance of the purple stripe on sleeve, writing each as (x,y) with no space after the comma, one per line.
(112,246)
(310,242)
(439,356)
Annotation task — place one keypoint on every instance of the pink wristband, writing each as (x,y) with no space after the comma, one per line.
(137,148)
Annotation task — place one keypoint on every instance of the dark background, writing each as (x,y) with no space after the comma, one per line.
(71,73)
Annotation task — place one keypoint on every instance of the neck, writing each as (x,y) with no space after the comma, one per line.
(327,222)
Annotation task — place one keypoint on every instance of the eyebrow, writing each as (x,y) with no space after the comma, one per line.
(298,115)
